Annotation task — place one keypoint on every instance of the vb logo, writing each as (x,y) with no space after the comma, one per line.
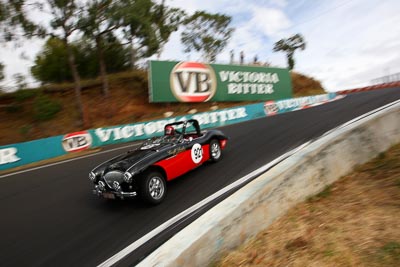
(193,82)
(77,141)
(270,108)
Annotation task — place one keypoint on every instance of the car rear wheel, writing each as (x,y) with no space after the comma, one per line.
(153,187)
(215,150)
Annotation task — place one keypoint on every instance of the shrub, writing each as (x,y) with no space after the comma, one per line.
(22,95)
(45,108)
(14,108)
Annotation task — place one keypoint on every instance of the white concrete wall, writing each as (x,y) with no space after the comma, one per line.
(258,204)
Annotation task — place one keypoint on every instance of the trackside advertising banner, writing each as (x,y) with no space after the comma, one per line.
(287,105)
(28,152)
(172,81)
(15,155)
(138,131)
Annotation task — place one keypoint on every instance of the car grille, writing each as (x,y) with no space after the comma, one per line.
(112,176)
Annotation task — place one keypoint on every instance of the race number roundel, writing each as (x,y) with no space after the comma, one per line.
(193,82)
(197,153)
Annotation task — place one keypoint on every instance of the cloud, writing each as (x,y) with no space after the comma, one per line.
(280,3)
(269,21)
(352,44)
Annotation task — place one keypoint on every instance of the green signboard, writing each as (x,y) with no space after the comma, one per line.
(172,81)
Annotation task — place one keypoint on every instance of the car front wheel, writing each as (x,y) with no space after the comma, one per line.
(153,188)
(215,150)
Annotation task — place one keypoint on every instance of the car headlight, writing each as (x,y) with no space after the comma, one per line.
(92,176)
(128,177)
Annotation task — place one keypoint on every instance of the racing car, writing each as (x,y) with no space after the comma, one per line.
(146,170)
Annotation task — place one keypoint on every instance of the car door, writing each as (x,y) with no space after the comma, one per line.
(184,157)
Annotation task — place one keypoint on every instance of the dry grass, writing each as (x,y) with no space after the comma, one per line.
(354,222)
(304,85)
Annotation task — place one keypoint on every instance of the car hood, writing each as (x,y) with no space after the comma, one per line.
(127,160)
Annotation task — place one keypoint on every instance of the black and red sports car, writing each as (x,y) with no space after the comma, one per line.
(145,170)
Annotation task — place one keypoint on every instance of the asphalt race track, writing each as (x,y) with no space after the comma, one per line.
(50,218)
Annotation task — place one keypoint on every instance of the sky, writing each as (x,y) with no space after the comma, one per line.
(348,42)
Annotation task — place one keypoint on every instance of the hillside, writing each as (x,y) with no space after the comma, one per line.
(28,114)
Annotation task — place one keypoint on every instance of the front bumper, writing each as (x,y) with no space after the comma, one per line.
(116,194)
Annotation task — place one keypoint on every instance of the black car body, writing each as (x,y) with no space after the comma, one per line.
(145,170)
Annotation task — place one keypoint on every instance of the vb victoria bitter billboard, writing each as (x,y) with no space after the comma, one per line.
(172,81)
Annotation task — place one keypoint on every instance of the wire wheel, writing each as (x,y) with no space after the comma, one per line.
(215,150)
(156,187)
(153,187)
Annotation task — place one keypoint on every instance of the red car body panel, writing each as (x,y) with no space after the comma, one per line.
(181,163)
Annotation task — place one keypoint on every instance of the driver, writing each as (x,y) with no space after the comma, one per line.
(169,130)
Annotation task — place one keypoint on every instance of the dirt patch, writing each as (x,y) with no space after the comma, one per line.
(354,222)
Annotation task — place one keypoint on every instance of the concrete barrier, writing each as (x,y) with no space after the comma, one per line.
(255,206)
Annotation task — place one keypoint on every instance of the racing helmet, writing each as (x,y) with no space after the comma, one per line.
(169,130)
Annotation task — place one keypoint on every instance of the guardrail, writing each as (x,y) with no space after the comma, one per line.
(395,77)
(15,155)
(255,206)
(371,87)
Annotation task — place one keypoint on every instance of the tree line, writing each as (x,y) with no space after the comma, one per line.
(95,37)
(137,28)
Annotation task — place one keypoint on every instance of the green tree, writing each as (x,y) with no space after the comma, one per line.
(64,22)
(167,20)
(51,64)
(290,45)
(1,75)
(137,28)
(20,81)
(3,18)
(1,71)
(13,17)
(99,20)
(147,26)
(116,55)
(206,33)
